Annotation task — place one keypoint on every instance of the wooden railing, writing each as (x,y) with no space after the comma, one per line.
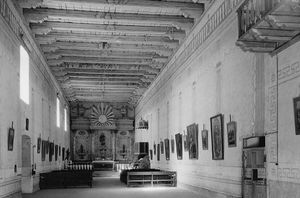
(80,166)
(252,11)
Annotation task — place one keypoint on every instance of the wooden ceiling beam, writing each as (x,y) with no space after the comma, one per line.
(92,60)
(48,27)
(103,46)
(193,10)
(103,72)
(109,18)
(103,54)
(107,67)
(117,39)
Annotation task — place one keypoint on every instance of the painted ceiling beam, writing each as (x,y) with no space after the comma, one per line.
(107,67)
(92,60)
(104,46)
(193,10)
(117,39)
(103,54)
(48,27)
(110,18)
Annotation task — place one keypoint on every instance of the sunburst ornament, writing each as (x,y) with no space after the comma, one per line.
(102,115)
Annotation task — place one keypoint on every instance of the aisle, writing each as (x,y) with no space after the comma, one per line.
(112,188)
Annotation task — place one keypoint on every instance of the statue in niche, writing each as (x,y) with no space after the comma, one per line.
(123,111)
(81,152)
(102,146)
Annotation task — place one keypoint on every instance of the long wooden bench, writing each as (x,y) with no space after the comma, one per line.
(66,178)
(151,178)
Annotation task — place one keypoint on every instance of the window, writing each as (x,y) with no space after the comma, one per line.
(65,113)
(24,75)
(57,112)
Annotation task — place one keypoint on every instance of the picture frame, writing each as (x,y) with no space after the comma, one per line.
(38,148)
(192,141)
(178,139)
(151,154)
(162,147)
(10,139)
(204,135)
(297,115)
(172,145)
(44,146)
(167,148)
(185,143)
(63,153)
(158,152)
(231,134)
(56,152)
(217,137)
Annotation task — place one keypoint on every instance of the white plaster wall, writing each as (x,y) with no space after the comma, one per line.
(284,166)
(42,93)
(223,78)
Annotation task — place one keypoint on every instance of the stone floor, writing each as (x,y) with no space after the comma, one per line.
(111,187)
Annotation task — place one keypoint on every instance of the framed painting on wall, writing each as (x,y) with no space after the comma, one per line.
(297,115)
(151,154)
(38,149)
(231,134)
(44,150)
(56,152)
(217,140)
(178,139)
(167,149)
(10,139)
(161,147)
(63,153)
(172,145)
(204,134)
(192,141)
(158,152)
(185,143)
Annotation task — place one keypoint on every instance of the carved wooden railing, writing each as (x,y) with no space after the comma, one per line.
(252,11)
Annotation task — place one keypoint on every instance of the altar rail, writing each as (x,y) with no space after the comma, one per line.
(80,166)
(119,166)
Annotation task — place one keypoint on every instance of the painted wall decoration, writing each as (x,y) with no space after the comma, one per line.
(178,139)
(297,115)
(204,134)
(102,115)
(167,148)
(192,141)
(172,145)
(217,138)
(231,134)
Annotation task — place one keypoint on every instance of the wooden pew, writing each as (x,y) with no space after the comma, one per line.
(150,178)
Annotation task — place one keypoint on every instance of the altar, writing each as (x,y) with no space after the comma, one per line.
(103,165)
(102,135)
